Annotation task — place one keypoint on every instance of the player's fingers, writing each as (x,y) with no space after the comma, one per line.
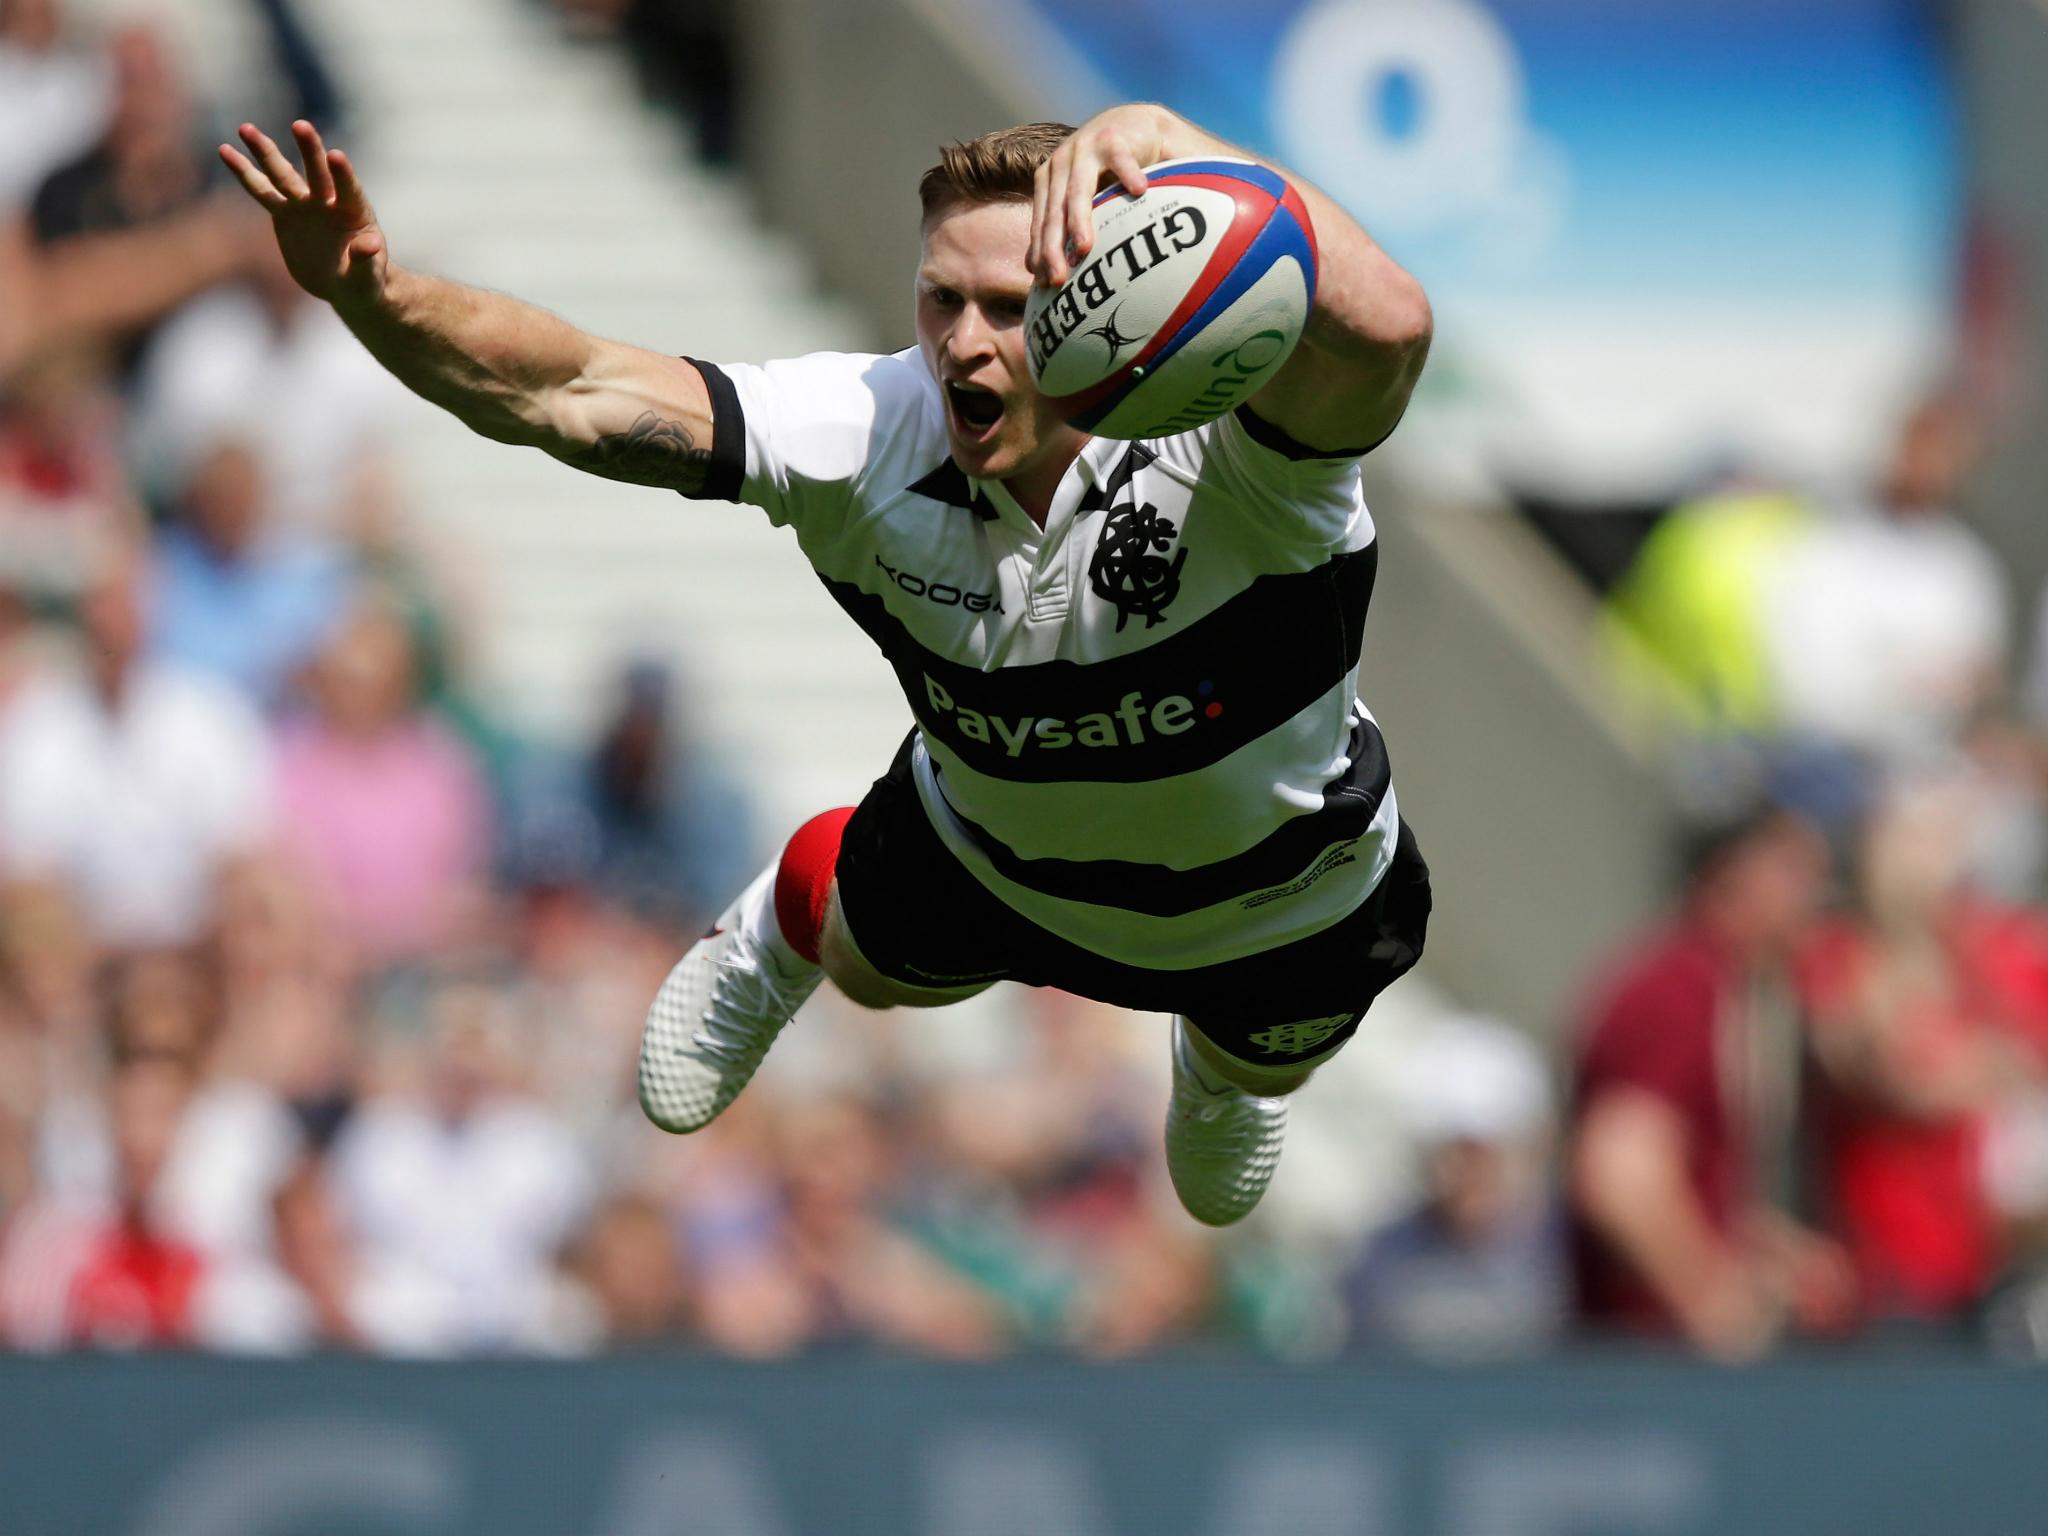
(1038,181)
(1128,171)
(253,181)
(1052,236)
(1087,172)
(314,154)
(275,166)
(348,190)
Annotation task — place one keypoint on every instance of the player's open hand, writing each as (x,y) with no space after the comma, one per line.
(1120,143)
(325,228)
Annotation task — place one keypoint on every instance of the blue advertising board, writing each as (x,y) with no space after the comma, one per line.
(1656,231)
(681,1446)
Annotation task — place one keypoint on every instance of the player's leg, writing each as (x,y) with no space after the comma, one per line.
(733,990)
(1227,1119)
(856,976)
(730,995)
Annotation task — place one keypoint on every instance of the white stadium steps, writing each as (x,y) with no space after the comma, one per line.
(501,156)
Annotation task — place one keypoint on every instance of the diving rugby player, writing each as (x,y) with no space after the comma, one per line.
(1140,770)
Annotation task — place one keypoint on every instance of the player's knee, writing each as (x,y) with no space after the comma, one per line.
(845,967)
(859,984)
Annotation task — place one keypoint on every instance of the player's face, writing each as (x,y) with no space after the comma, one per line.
(971,288)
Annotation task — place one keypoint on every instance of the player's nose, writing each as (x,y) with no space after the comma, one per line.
(971,337)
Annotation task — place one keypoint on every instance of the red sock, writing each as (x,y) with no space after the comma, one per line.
(804,879)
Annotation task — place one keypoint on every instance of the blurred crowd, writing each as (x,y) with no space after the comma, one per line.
(1815,1102)
(320,988)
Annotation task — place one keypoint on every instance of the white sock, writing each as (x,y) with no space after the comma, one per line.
(1191,1063)
(754,910)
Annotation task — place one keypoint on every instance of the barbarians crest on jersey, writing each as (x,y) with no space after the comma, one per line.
(1293,1039)
(1130,568)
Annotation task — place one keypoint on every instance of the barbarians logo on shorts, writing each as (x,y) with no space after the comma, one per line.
(1293,1039)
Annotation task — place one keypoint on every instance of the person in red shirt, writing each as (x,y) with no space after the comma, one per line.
(1686,1085)
(134,1287)
(1922,1005)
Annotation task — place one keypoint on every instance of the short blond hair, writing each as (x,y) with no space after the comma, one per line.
(995,168)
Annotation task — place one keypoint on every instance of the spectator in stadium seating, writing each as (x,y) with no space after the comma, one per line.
(383,806)
(457,1188)
(1151,1285)
(134,785)
(48,1040)
(63,487)
(286,1020)
(109,1275)
(1873,629)
(685,52)
(1476,1269)
(628,1275)
(235,595)
(868,1279)
(1683,628)
(1886,624)
(672,833)
(1686,1089)
(300,1292)
(148,164)
(55,97)
(750,1297)
(1929,1009)
(1030,1163)
(94,287)
(327,406)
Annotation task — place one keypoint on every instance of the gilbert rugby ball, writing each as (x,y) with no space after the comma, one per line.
(1193,294)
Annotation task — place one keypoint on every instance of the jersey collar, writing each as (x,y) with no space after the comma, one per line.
(949,483)
(1095,465)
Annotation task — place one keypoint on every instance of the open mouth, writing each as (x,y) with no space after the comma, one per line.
(976,411)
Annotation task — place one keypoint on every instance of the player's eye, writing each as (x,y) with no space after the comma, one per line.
(945,298)
(1011,310)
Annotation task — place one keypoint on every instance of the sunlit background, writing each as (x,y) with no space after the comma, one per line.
(360,780)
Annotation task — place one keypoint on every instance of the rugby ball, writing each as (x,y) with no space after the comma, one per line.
(1193,294)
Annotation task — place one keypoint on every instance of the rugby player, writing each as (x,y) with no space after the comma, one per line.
(1140,770)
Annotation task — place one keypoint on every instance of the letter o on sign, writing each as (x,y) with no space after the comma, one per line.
(1336,58)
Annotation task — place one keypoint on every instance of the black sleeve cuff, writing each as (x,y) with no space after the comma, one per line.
(1266,435)
(726,469)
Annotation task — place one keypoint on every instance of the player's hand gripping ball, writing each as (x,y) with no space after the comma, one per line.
(1193,295)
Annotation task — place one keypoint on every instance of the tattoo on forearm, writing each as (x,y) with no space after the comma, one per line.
(652,451)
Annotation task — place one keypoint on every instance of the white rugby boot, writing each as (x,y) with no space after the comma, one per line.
(719,1011)
(1222,1144)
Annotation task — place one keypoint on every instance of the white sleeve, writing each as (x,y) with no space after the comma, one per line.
(795,438)
(1295,492)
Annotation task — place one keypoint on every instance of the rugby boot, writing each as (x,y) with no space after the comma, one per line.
(717,1014)
(1222,1144)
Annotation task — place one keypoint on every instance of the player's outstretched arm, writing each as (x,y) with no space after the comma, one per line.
(511,371)
(1368,334)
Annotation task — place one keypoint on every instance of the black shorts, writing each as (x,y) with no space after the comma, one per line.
(920,918)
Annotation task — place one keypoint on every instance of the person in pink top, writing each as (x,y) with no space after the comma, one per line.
(381,803)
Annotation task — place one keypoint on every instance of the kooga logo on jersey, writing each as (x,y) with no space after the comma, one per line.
(1124,726)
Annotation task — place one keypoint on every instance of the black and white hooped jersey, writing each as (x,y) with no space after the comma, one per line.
(1138,724)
